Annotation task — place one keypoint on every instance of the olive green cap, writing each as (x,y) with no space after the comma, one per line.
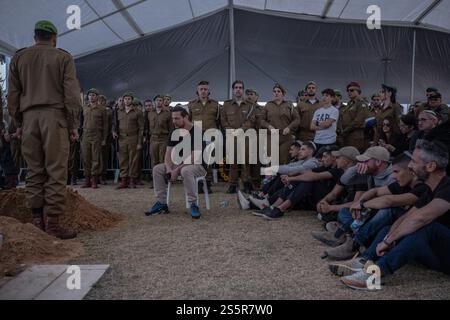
(93,90)
(252,90)
(337,93)
(45,25)
(128,94)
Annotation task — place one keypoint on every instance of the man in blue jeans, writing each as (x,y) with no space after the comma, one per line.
(373,170)
(391,201)
(423,233)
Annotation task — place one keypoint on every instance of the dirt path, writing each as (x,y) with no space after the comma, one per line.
(228,254)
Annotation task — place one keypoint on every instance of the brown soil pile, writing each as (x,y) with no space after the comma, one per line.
(80,215)
(26,244)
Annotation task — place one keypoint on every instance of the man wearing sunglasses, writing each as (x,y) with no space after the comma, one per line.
(352,118)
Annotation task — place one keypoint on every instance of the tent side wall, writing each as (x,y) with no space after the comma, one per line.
(271,49)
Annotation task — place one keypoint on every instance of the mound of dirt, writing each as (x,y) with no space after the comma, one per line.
(80,215)
(24,244)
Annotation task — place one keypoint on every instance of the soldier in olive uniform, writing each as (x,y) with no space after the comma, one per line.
(159,129)
(43,96)
(252,97)
(306,111)
(95,132)
(352,118)
(238,114)
(390,109)
(106,149)
(128,127)
(206,111)
(167,100)
(281,114)
(372,111)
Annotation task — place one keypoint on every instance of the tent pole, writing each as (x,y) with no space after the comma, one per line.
(232,75)
(413,68)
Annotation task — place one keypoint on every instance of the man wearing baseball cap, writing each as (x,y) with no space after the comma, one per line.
(352,117)
(44,99)
(435,104)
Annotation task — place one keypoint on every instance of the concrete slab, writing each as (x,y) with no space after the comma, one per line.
(50,282)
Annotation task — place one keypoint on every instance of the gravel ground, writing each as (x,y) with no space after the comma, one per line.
(228,254)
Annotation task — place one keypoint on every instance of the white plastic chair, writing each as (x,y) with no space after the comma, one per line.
(209,148)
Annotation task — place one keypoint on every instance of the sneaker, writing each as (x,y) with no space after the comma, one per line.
(357,281)
(328,238)
(273,214)
(243,201)
(158,208)
(345,251)
(332,226)
(195,212)
(261,212)
(259,203)
(346,268)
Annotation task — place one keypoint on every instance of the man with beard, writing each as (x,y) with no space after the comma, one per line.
(423,233)
(187,168)
(306,111)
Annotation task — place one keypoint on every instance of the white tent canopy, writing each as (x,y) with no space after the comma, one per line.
(106,23)
(221,40)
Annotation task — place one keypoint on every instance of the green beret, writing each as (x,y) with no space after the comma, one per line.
(252,90)
(93,90)
(128,94)
(136,101)
(338,93)
(301,93)
(157,97)
(45,25)
(279,86)
(102,97)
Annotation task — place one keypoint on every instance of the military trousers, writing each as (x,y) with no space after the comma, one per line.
(45,148)
(129,156)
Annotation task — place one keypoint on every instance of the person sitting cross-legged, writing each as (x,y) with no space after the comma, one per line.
(380,207)
(304,162)
(306,190)
(423,233)
(187,168)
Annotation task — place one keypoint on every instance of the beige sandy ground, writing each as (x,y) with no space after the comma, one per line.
(228,254)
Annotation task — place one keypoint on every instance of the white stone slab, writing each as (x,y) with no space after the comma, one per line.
(50,283)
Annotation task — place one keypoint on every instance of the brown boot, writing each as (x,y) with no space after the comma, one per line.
(94,182)
(52,228)
(87,183)
(123,184)
(38,222)
(132,183)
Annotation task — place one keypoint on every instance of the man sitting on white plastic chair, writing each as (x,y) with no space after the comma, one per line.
(175,165)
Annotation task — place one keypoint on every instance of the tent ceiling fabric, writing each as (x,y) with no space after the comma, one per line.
(105,22)
(331,54)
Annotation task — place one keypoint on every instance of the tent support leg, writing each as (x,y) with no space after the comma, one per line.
(232,75)
(413,68)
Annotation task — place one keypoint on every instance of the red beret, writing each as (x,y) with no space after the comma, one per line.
(354,84)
